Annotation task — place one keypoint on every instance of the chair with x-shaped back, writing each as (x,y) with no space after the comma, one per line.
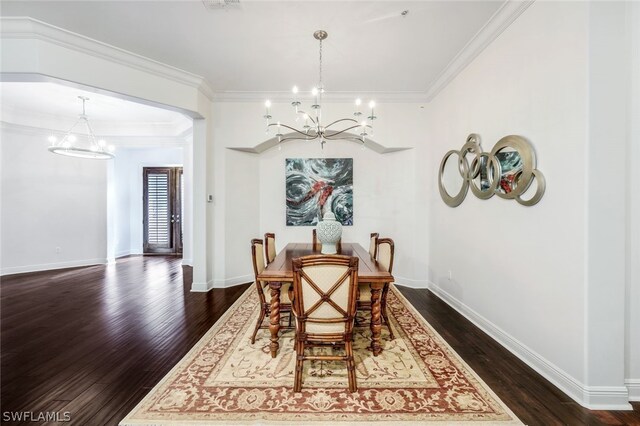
(324,305)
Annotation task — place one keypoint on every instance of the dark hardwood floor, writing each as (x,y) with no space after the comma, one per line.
(93,341)
(531,397)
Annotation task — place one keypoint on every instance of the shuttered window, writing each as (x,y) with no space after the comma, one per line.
(158,218)
(163,190)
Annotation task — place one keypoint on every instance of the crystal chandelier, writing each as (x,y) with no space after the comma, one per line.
(313,127)
(81,144)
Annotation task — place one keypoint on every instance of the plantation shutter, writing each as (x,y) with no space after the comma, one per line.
(158,211)
(163,210)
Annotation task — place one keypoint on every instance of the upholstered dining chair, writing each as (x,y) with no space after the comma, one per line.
(270,246)
(373,245)
(263,289)
(384,251)
(324,306)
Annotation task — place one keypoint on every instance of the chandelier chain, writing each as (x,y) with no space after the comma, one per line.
(320,88)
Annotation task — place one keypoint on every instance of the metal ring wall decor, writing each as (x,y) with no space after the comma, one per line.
(507,171)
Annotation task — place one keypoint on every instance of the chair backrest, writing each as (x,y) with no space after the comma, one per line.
(270,246)
(385,253)
(324,294)
(258,265)
(373,245)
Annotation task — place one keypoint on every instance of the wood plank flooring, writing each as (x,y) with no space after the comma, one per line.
(93,341)
(531,397)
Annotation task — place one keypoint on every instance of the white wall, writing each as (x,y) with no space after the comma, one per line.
(519,272)
(382,197)
(128,185)
(242,212)
(119,206)
(524,273)
(32,50)
(250,194)
(606,230)
(49,201)
(632,365)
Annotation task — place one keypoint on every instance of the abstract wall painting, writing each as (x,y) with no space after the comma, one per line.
(317,185)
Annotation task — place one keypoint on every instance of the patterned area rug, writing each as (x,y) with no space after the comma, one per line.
(224,379)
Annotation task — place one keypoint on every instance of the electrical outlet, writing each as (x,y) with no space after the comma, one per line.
(57,250)
(450,275)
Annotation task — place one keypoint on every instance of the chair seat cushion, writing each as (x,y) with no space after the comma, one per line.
(284,293)
(324,328)
(365,292)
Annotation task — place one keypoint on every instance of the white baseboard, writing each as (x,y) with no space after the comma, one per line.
(407,282)
(593,398)
(201,287)
(231,282)
(123,253)
(48,266)
(605,398)
(633,386)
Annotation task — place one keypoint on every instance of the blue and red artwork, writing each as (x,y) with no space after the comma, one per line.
(317,185)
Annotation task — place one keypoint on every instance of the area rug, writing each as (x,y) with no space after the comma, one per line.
(225,379)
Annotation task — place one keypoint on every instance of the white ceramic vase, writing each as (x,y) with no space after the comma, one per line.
(329,231)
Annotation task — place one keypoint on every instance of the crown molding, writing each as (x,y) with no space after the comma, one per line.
(119,141)
(337,97)
(500,21)
(29,28)
(60,123)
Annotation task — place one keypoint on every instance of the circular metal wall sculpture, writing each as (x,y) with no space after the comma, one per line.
(507,171)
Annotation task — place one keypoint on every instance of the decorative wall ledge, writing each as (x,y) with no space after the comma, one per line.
(273,142)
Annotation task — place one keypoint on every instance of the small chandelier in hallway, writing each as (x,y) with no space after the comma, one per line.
(80,141)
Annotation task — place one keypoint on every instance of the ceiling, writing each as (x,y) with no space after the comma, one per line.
(259,47)
(56,107)
(268,46)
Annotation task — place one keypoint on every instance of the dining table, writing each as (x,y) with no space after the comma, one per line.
(280,271)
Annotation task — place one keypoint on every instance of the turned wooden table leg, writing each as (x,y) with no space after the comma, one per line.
(376,320)
(274,317)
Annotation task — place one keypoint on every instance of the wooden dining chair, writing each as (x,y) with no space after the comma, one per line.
(324,306)
(270,246)
(263,289)
(385,251)
(373,245)
(314,240)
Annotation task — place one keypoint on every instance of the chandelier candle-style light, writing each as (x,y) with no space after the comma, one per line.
(81,144)
(313,127)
